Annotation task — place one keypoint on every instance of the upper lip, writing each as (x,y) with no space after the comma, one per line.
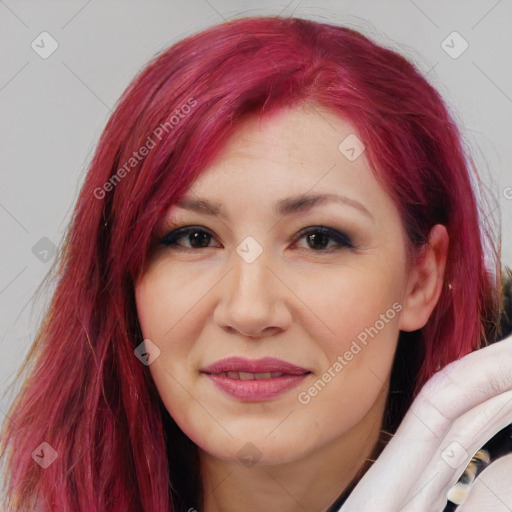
(264,365)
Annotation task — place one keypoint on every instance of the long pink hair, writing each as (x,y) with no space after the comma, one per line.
(87,395)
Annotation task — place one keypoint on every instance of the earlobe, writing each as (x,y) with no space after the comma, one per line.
(425,281)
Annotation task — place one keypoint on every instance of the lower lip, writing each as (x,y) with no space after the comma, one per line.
(257,390)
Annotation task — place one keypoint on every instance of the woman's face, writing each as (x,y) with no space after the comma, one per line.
(250,281)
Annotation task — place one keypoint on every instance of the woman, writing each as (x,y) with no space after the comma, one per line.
(276,248)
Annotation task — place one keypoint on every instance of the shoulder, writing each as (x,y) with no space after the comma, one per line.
(492,489)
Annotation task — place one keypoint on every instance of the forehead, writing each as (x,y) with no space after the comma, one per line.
(297,151)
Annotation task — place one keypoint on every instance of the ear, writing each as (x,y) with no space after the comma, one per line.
(425,281)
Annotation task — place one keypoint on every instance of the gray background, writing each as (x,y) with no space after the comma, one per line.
(53,110)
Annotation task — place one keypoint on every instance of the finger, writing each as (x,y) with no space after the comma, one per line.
(467,435)
(458,388)
(452,392)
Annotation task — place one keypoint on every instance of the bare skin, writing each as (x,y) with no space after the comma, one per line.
(296,302)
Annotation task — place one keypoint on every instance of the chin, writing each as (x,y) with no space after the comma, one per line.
(250,450)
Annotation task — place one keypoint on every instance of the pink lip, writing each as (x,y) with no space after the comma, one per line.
(256,390)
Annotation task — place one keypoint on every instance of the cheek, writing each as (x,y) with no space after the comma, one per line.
(358,365)
(350,304)
(167,300)
(357,332)
(150,298)
(168,308)
(169,318)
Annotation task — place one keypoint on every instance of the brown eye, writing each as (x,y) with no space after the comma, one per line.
(197,237)
(318,238)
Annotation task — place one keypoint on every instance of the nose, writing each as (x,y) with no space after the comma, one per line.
(254,302)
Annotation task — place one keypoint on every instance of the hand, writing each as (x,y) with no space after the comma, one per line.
(457,411)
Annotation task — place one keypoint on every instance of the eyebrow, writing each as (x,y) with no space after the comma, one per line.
(287,206)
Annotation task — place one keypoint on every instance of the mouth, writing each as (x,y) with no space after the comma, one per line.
(250,375)
(255,380)
(247,369)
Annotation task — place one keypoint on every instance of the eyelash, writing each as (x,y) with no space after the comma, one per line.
(342,241)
